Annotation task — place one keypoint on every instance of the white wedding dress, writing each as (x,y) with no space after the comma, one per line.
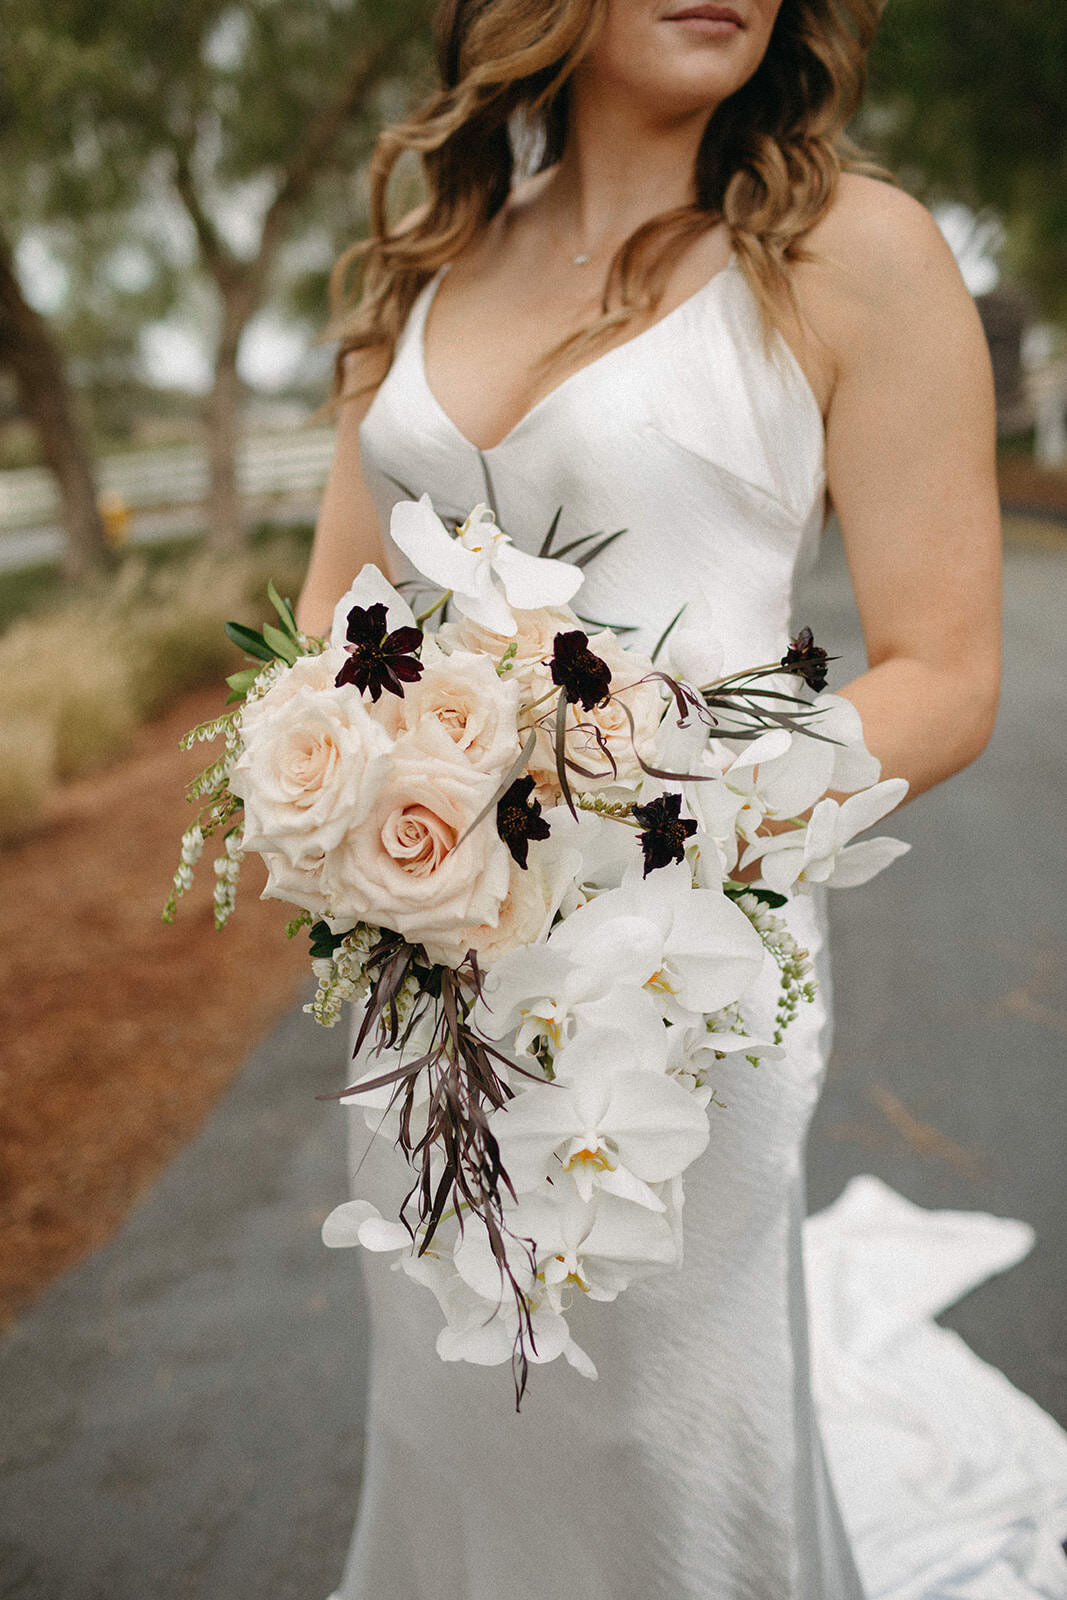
(692,1469)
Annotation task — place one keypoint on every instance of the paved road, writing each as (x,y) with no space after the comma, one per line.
(182,1413)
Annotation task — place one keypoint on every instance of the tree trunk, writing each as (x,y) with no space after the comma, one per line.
(223,419)
(27,346)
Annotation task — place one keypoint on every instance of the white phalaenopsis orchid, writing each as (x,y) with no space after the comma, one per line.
(655,947)
(695,946)
(602,1125)
(485,573)
(595,1248)
(481,1327)
(822,854)
(545,992)
(782,775)
(770,780)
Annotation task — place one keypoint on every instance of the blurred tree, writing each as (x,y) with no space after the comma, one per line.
(231,114)
(969,102)
(28,348)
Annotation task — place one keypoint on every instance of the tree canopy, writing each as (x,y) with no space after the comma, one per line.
(198,139)
(969,103)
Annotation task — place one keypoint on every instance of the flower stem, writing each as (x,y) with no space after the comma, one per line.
(548,695)
(442,600)
(616,810)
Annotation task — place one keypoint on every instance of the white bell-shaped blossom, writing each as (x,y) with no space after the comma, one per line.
(486,574)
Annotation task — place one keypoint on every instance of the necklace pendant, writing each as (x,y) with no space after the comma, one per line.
(579,260)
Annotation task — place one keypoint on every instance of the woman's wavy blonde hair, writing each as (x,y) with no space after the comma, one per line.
(767,166)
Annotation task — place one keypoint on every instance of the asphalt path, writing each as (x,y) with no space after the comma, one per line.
(182,1413)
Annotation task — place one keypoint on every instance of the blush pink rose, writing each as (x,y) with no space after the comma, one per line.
(532,641)
(403,867)
(297,886)
(306,672)
(474,706)
(534,895)
(312,762)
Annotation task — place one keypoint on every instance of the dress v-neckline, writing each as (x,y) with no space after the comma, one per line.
(430,293)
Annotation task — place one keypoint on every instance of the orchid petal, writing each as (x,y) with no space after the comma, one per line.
(532,581)
(656,1125)
(621,1182)
(371,587)
(768,747)
(576,1357)
(822,831)
(419,533)
(489,1345)
(781,867)
(858,863)
(358,1222)
(485,604)
(862,810)
(854,766)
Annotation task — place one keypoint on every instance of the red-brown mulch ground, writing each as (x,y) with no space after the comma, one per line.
(117,1034)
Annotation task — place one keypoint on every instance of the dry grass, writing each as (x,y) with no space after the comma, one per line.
(27,771)
(77,680)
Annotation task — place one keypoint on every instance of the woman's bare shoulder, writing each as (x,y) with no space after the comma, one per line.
(877,255)
(876,224)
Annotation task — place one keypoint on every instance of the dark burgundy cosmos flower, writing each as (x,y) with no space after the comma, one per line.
(581,675)
(805,658)
(379,660)
(665,831)
(519,819)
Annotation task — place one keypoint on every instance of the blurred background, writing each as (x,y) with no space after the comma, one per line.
(175,184)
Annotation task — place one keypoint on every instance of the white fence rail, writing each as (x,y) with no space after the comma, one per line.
(289,464)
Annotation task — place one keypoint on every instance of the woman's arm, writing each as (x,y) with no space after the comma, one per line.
(911,473)
(347,533)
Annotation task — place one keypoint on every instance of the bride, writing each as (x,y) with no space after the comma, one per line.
(650,286)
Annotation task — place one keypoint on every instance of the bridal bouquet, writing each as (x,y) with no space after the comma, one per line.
(516,844)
